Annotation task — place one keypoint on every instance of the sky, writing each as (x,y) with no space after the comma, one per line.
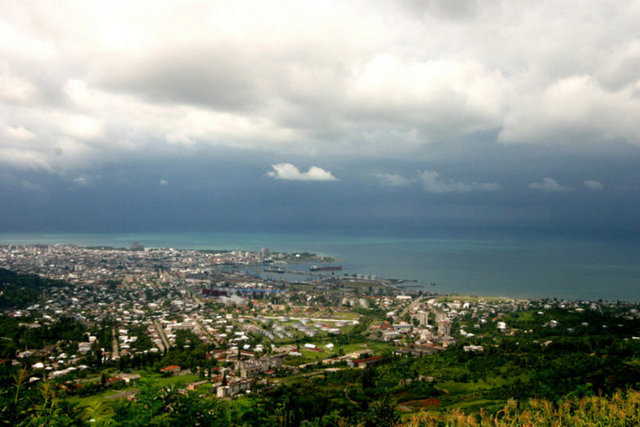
(354,116)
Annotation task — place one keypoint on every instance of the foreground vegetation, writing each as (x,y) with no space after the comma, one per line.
(167,406)
(621,409)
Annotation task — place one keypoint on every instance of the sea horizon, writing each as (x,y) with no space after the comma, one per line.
(516,265)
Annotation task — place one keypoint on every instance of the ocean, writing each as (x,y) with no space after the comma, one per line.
(514,266)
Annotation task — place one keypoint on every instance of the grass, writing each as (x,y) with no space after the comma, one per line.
(100,398)
(621,409)
(96,399)
(187,378)
(457,388)
(476,405)
(526,316)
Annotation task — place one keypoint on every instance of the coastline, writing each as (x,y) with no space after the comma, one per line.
(517,267)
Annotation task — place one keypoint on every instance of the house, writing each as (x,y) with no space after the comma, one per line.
(363,363)
(128,378)
(84,347)
(194,385)
(402,327)
(389,336)
(112,381)
(448,340)
(171,369)
(418,350)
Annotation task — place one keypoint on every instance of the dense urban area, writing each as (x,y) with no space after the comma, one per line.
(139,336)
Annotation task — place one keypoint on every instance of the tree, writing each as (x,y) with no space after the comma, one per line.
(51,410)
(20,380)
(159,406)
(98,358)
(381,414)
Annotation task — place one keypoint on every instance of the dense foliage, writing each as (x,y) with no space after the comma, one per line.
(21,290)
(16,336)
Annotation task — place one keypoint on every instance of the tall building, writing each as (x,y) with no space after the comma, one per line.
(423,317)
(444,328)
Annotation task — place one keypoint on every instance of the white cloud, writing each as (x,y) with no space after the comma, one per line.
(82,180)
(82,126)
(432,183)
(86,180)
(549,185)
(391,180)
(593,185)
(287,171)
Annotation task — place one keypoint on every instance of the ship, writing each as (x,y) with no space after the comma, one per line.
(327,268)
(278,269)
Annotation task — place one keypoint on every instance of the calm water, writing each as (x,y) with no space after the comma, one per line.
(521,267)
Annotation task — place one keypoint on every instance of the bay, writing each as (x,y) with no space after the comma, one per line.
(514,266)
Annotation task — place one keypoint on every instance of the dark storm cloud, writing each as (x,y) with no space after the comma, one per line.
(217,76)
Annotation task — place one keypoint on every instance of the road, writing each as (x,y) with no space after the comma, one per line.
(161,334)
(114,343)
(204,331)
(411,306)
(313,319)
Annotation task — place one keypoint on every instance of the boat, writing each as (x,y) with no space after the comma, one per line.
(327,268)
(278,269)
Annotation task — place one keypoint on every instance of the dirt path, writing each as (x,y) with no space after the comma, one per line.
(346,395)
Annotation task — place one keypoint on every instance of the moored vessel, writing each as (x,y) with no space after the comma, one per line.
(326,268)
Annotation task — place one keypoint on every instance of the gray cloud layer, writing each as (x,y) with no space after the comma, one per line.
(433,183)
(89,81)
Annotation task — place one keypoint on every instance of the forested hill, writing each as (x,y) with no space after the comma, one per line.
(21,290)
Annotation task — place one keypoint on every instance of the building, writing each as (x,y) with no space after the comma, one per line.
(171,369)
(232,388)
(254,367)
(214,293)
(388,336)
(363,363)
(444,328)
(423,317)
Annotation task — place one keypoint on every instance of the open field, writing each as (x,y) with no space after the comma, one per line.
(97,399)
